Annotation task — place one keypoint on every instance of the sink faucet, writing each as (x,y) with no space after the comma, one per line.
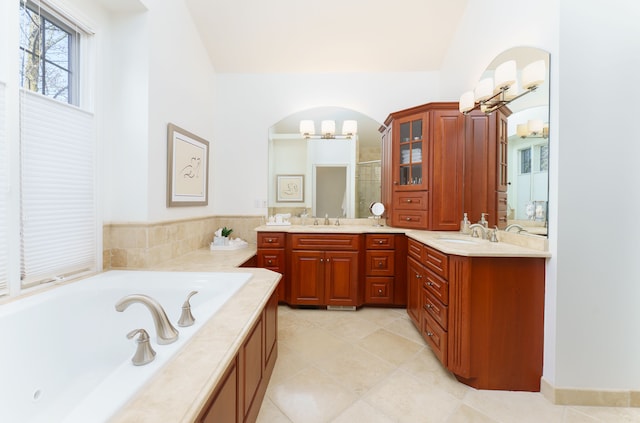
(326,219)
(164,329)
(520,228)
(475,226)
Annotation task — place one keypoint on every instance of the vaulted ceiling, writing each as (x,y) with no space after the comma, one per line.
(255,36)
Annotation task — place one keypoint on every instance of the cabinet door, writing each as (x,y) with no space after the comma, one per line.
(415,276)
(341,277)
(411,153)
(307,277)
(224,405)
(447,146)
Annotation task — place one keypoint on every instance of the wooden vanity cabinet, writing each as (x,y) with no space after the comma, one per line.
(385,282)
(271,255)
(485,169)
(483,317)
(426,163)
(325,269)
(239,394)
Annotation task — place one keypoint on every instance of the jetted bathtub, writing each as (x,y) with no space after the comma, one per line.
(64,352)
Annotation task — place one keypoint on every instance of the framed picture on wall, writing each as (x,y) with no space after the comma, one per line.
(187,168)
(290,188)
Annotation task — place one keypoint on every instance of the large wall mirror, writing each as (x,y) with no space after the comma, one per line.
(338,177)
(528,148)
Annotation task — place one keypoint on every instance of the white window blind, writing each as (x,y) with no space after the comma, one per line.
(58,227)
(4,194)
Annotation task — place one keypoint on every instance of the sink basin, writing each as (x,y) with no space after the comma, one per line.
(457,240)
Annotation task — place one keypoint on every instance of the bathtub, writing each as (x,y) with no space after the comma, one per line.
(65,354)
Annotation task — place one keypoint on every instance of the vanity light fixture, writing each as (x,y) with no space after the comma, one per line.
(328,129)
(493,93)
(533,129)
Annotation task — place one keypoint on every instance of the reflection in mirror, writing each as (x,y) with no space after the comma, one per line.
(342,176)
(528,147)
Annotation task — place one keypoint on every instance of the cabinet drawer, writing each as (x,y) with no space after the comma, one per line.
(271,239)
(379,241)
(435,308)
(325,241)
(435,336)
(380,263)
(436,261)
(410,219)
(414,249)
(272,259)
(438,287)
(379,290)
(410,200)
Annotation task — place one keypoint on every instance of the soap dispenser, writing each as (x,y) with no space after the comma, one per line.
(483,221)
(464,225)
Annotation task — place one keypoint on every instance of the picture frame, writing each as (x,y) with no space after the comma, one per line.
(187,168)
(289,188)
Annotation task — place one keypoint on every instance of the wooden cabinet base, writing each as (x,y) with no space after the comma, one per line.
(238,396)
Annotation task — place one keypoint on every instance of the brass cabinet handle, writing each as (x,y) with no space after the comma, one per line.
(380,241)
(418,275)
(408,200)
(269,240)
(429,334)
(379,291)
(408,218)
(380,264)
(268,261)
(429,283)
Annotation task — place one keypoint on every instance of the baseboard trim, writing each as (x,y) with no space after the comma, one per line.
(589,397)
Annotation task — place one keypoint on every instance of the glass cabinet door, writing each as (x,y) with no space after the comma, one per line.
(410,162)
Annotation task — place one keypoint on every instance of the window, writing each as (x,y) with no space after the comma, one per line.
(543,152)
(58,220)
(525,161)
(48,53)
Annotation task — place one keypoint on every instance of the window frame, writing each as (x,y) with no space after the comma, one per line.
(48,14)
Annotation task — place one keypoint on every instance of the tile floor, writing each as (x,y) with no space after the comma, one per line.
(372,366)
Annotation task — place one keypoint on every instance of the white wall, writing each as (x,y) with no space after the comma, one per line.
(592,290)
(598,277)
(248,104)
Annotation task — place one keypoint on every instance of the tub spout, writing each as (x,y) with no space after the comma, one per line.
(164,329)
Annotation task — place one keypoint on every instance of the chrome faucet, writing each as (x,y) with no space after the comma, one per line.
(337,221)
(164,329)
(326,219)
(520,228)
(475,226)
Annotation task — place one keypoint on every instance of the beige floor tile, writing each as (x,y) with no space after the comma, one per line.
(405,327)
(311,396)
(389,346)
(349,327)
(288,364)
(509,406)
(405,399)
(607,414)
(466,414)
(269,413)
(360,411)
(356,369)
(372,365)
(314,343)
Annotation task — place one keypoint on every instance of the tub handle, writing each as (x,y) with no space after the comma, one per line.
(144,353)
(186,318)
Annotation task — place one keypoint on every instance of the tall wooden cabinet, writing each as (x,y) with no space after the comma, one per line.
(485,168)
(423,190)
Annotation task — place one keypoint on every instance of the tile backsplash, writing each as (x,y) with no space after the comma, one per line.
(144,245)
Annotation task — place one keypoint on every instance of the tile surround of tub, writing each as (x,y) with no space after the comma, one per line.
(145,245)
